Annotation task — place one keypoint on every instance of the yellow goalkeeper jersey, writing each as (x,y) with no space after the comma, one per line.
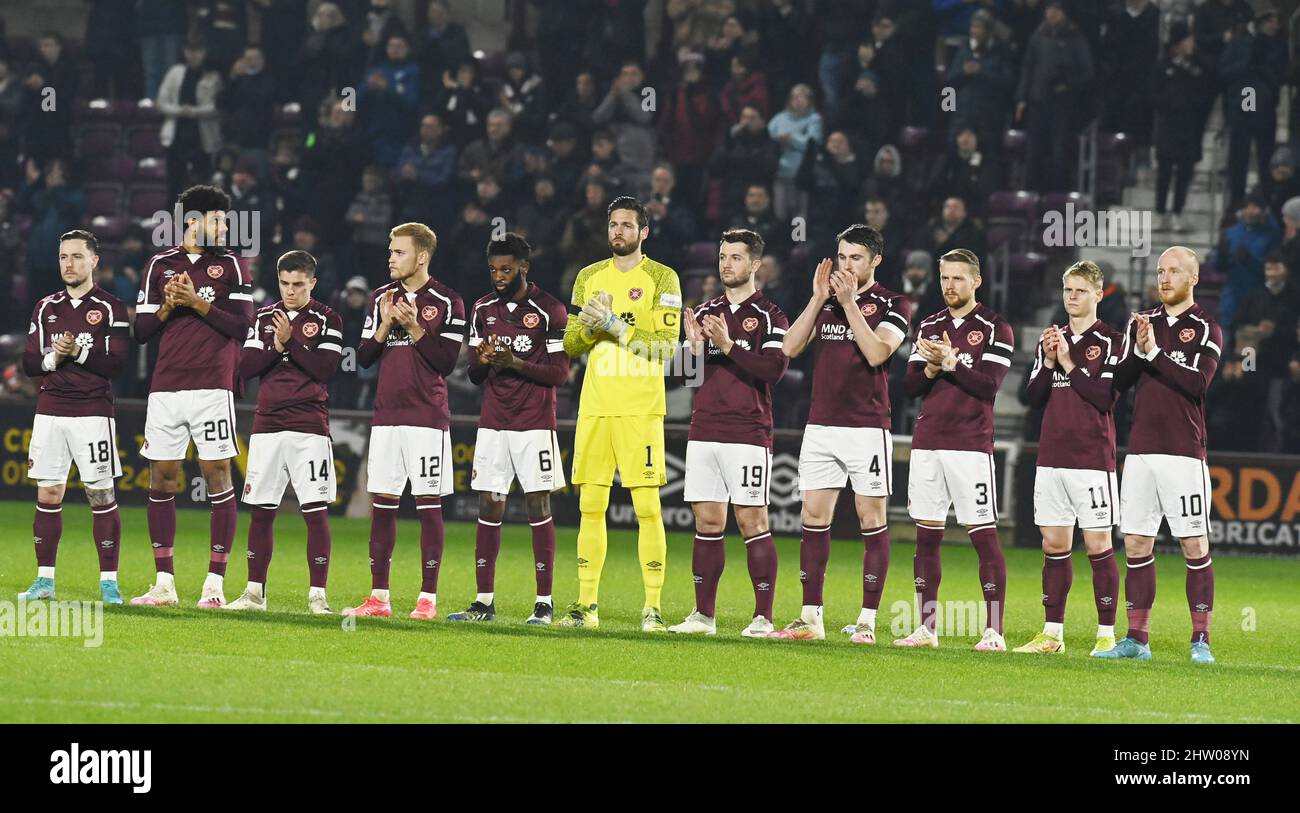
(626,376)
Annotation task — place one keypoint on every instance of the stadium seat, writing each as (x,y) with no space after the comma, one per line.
(1027,268)
(103,199)
(1013,207)
(914,138)
(287,115)
(110,228)
(88,110)
(142,142)
(150,169)
(1056,202)
(114,168)
(1000,234)
(98,140)
(703,254)
(144,200)
(146,112)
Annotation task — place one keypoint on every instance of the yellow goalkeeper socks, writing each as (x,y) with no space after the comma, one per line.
(593,501)
(652,545)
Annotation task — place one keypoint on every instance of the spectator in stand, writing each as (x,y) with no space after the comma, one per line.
(1182,93)
(55,205)
(306,236)
(688,128)
(845,23)
(286,179)
(1216,22)
(561,25)
(580,104)
(12,125)
(793,129)
(247,102)
(955,15)
(353,308)
(191,129)
(1281,184)
(329,59)
(1291,232)
(1272,309)
(566,161)
(283,21)
(1132,47)
(379,23)
(336,155)
(1056,74)
(624,114)
(161,26)
(672,219)
(12,301)
(462,104)
(921,286)
(52,82)
(886,180)
(746,156)
(889,63)
(830,177)
(223,25)
(523,95)
(425,177)
(953,229)
(606,165)
(388,101)
(775,285)
(722,50)
(758,216)
(585,235)
(877,216)
(746,87)
(1290,412)
(498,154)
(984,75)
(696,22)
(1235,407)
(371,216)
(964,172)
(109,43)
(616,32)
(867,111)
(444,45)
(489,195)
(542,220)
(1241,254)
(247,194)
(787,45)
(1254,60)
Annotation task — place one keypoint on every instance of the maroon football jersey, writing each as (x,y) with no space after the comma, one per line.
(957,407)
(533,330)
(294,395)
(82,385)
(1078,417)
(846,390)
(412,387)
(1169,404)
(196,352)
(734,404)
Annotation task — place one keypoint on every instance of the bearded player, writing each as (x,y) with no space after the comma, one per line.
(1170,354)
(961,355)
(1073,382)
(857,324)
(627,328)
(76,345)
(416,325)
(729,450)
(516,352)
(294,347)
(197,299)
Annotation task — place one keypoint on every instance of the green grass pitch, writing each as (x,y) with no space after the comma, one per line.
(286,666)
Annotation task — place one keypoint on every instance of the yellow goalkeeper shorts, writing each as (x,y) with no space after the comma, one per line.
(632,443)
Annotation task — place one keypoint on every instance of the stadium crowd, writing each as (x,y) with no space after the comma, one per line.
(335,120)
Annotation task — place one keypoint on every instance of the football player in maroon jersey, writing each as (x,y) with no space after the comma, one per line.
(76,345)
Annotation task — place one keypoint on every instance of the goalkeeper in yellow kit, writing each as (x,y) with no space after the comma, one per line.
(628,327)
